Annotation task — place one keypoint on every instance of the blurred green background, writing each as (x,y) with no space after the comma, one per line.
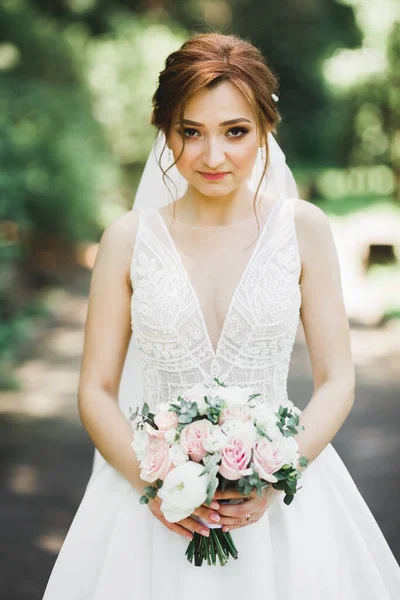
(76,80)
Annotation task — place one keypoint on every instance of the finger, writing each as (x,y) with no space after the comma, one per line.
(178,529)
(254,519)
(194,525)
(213,504)
(238,510)
(207,515)
(234,521)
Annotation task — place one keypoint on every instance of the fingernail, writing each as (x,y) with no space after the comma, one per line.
(225,529)
(189,537)
(215,517)
(214,504)
(205,532)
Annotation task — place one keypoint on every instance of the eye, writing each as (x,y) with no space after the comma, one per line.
(238,132)
(189,132)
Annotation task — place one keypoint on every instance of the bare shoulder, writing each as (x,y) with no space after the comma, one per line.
(122,228)
(309,217)
(313,229)
(117,243)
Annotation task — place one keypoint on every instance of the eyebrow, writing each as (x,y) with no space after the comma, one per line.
(230,122)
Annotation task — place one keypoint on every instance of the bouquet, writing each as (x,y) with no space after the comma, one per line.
(209,438)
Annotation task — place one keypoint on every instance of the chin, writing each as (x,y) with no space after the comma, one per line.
(214,188)
(215,191)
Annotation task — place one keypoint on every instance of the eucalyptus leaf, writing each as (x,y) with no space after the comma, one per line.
(184,418)
(150,491)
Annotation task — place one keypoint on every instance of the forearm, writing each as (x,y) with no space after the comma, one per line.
(324,415)
(110,432)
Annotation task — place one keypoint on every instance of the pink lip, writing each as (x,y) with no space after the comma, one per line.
(213,176)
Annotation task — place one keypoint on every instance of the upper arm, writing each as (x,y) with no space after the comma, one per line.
(108,322)
(323,313)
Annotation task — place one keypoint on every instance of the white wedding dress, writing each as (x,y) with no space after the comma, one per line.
(326,545)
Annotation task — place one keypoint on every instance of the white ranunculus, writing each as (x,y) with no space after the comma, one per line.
(265,419)
(216,440)
(170,435)
(163,407)
(140,443)
(178,455)
(183,490)
(290,450)
(234,395)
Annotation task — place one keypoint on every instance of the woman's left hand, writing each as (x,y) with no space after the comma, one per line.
(233,516)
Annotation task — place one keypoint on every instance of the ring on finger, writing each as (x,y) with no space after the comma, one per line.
(248,518)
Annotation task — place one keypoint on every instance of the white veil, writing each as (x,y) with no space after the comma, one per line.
(152,192)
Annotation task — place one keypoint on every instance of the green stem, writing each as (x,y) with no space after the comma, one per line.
(198,555)
(212,549)
(190,550)
(222,555)
(226,536)
(218,544)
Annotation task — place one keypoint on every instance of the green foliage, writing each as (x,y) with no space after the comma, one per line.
(303,462)
(122,70)
(52,154)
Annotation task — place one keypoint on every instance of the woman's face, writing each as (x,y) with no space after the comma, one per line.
(221,140)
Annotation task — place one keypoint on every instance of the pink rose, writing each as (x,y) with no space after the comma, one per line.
(235,458)
(193,437)
(268,457)
(166,420)
(238,412)
(156,463)
(154,433)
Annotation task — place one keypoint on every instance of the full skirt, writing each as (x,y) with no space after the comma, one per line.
(325,545)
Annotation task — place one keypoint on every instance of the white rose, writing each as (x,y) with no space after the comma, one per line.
(183,490)
(169,435)
(202,405)
(216,440)
(234,395)
(290,449)
(140,443)
(163,407)
(178,455)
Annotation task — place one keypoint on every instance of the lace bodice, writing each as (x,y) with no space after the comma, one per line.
(257,334)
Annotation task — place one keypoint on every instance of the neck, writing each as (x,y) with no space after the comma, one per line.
(195,208)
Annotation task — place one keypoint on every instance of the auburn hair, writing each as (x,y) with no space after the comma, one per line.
(204,61)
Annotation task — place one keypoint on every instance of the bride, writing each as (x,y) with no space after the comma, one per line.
(212,284)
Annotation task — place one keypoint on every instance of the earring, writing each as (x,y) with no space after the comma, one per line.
(262,153)
(169,154)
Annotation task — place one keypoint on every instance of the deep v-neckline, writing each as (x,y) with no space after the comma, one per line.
(215,352)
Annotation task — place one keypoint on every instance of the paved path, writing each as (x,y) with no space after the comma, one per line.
(46,455)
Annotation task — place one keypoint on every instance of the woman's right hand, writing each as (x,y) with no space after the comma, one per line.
(187,526)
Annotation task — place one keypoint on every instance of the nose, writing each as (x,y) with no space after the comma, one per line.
(214,154)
